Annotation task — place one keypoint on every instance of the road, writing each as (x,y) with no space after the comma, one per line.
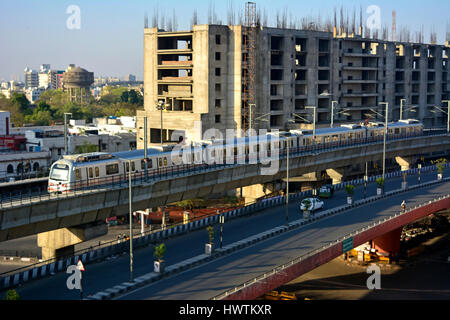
(106,274)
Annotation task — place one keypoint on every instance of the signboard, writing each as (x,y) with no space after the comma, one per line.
(347,245)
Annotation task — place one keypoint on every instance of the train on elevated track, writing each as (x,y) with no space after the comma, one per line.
(73,172)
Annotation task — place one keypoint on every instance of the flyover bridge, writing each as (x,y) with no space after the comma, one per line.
(263,265)
(41,213)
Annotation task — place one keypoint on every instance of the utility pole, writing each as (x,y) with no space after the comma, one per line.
(401,108)
(145,148)
(365,182)
(131,221)
(332,113)
(222,221)
(384,140)
(65,133)
(287,182)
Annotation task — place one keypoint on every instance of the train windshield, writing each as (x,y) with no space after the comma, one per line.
(60,172)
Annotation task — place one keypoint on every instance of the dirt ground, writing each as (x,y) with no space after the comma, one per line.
(423,277)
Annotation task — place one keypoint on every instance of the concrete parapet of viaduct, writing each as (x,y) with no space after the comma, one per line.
(86,207)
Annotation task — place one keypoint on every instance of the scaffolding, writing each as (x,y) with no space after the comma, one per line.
(249,66)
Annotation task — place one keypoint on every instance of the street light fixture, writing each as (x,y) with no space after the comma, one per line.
(162,105)
(445,112)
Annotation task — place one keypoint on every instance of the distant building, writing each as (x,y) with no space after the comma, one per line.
(31,78)
(5,122)
(130,78)
(33,94)
(77,82)
(44,80)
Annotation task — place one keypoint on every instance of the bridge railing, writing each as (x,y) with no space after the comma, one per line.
(314,252)
(119,182)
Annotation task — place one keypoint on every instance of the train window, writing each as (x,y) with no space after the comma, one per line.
(127,166)
(235,152)
(133,166)
(77,174)
(112,169)
(397,131)
(142,164)
(150,163)
(335,138)
(97,172)
(91,173)
(165,161)
(160,162)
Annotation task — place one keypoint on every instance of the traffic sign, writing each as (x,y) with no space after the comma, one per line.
(347,245)
(80,265)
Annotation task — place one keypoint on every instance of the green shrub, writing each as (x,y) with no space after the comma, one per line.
(159,252)
(380,182)
(210,230)
(350,190)
(12,295)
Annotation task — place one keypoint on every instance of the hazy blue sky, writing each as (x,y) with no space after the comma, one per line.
(110,39)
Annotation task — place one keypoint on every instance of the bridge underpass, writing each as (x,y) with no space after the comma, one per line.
(83,208)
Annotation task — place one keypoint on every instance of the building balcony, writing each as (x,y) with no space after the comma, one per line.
(360,54)
(176,80)
(358,81)
(353,68)
(176,65)
(175,51)
(360,94)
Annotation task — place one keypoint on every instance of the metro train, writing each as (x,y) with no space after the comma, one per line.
(78,171)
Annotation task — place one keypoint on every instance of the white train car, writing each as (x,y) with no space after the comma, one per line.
(84,170)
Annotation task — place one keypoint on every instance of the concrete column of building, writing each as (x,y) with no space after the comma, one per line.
(61,242)
(406,162)
(388,243)
(336,175)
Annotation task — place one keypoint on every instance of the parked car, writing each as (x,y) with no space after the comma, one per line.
(314,204)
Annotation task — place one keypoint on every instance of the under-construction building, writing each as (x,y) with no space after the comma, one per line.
(236,77)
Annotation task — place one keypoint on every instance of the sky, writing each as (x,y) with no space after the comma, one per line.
(109,38)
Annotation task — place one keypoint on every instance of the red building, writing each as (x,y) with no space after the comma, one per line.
(13,143)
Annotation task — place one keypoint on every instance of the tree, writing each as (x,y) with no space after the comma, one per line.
(20,100)
(124,97)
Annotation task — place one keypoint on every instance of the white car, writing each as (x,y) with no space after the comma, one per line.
(315,204)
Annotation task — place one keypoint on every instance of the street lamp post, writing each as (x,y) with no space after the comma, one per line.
(65,132)
(131,221)
(385,136)
(401,108)
(287,182)
(162,106)
(332,113)
(314,120)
